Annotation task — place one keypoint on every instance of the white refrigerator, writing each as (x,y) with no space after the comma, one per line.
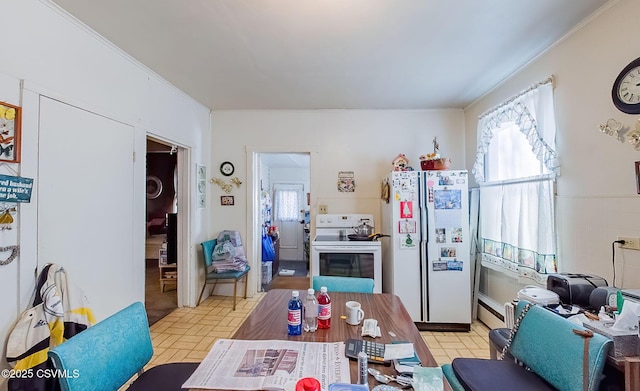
(426,260)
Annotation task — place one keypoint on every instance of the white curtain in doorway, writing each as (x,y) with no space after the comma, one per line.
(287,203)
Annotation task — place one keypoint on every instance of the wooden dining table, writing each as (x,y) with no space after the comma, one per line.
(268,321)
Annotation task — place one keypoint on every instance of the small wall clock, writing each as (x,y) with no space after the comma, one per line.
(227,169)
(626,89)
(154,187)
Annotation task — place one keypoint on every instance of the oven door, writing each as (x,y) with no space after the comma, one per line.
(348,261)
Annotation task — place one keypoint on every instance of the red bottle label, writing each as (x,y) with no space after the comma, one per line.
(295,317)
(324,311)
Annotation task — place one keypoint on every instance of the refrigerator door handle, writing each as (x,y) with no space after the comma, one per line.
(422,207)
(424,281)
(424,239)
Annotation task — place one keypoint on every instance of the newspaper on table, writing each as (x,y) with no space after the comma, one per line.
(233,364)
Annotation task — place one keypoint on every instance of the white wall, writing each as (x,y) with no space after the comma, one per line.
(597,198)
(362,141)
(57,57)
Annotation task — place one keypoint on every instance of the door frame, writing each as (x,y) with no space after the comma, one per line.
(254,234)
(186,279)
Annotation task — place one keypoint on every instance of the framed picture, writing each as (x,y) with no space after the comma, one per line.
(10,127)
(638,177)
(201,185)
(201,172)
(226,200)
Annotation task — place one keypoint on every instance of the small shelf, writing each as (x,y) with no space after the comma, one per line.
(168,272)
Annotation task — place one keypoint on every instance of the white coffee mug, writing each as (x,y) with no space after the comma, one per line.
(355,314)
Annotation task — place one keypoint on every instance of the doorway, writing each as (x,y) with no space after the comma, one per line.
(161,270)
(288,214)
(285,217)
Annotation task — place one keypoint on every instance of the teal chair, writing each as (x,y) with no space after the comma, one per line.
(550,350)
(106,356)
(225,277)
(344,284)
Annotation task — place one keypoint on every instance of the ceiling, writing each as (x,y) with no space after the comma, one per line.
(333,54)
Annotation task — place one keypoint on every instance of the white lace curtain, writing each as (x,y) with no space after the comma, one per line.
(287,204)
(517,221)
(533,112)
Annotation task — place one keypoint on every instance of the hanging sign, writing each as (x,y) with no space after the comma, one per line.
(15,189)
(346,182)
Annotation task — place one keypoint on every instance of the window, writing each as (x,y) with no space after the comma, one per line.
(510,156)
(287,204)
(516,167)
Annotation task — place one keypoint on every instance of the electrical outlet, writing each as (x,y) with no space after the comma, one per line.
(630,243)
(322,209)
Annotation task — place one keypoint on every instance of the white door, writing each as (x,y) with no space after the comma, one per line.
(288,208)
(85,203)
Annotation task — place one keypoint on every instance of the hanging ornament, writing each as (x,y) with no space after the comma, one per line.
(6,220)
(15,250)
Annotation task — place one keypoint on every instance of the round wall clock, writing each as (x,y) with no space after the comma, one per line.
(626,89)
(154,187)
(226,168)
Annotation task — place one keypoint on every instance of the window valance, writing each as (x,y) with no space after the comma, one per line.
(532,111)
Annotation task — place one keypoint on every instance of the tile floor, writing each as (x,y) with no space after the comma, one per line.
(187,334)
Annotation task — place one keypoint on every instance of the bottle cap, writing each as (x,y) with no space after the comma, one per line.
(311,291)
(323,289)
(295,293)
(308,384)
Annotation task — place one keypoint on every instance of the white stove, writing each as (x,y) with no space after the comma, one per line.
(334,254)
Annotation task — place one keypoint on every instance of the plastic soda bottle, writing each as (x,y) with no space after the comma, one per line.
(324,309)
(310,311)
(294,319)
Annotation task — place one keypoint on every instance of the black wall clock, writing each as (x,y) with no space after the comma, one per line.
(227,169)
(626,89)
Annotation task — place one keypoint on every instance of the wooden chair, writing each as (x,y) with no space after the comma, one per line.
(344,284)
(106,356)
(231,277)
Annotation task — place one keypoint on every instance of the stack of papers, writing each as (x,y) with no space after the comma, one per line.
(233,364)
(405,364)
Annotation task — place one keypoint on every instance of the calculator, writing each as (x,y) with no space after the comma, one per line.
(373,350)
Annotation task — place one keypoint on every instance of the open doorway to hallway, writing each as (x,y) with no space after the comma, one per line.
(284,219)
(161,230)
